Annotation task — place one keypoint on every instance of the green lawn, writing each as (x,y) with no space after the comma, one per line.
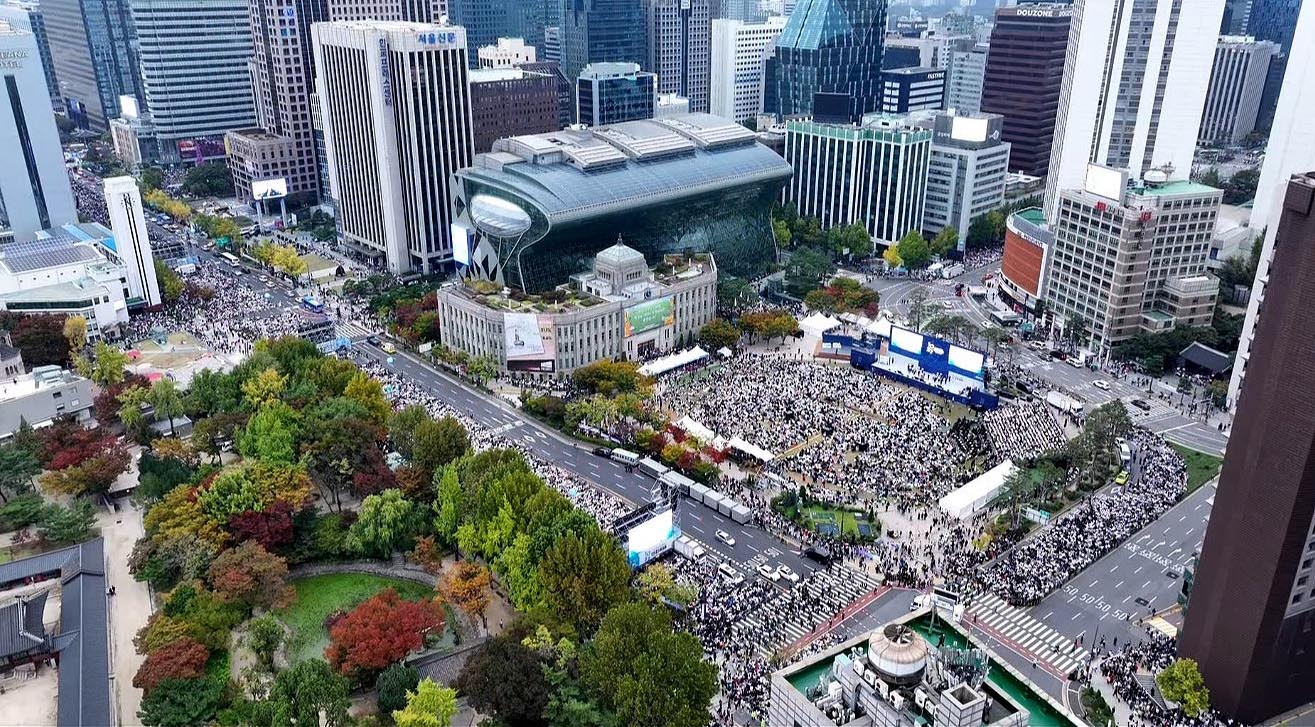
(1201,467)
(319,596)
(847,520)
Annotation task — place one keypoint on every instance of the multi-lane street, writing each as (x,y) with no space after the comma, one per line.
(753,546)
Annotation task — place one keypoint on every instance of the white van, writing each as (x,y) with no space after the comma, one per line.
(730,575)
(625,457)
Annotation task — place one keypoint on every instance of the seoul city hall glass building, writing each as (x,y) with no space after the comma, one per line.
(538,208)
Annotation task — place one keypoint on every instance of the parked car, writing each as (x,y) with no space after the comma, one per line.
(602,452)
(726,538)
(1121,478)
(372,340)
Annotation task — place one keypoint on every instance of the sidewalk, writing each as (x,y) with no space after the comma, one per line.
(1122,713)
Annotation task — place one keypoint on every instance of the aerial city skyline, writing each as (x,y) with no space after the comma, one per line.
(657,362)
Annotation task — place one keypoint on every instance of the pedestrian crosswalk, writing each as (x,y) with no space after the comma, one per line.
(352,330)
(813,602)
(1017,628)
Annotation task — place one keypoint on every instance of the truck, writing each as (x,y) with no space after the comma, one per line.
(652,467)
(688,548)
(625,457)
(1064,403)
(952,270)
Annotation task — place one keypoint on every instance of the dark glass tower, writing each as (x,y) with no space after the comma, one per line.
(487,20)
(1251,614)
(94,47)
(828,60)
(602,31)
(1274,20)
(1024,72)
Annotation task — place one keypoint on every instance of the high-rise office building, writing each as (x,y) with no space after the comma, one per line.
(1132,70)
(34,187)
(679,48)
(750,12)
(1291,150)
(410,11)
(1024,72)
(508,102)
(27,16)
(610,93)
(194,57)
(487,20)
(1250,621)
(874,173)
(552,44)
(827,62)
(565,91)
(1236,85)
(123,201)
(507,53)
(1132,260)
(94,48)
(966,174)
(904,90)
(395,105)
(1276,21)
(739,56)
(602,31)
(964,75)
(282,144)
(1234,21)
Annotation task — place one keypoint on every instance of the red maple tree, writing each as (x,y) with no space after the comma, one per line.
(379,632)
(272,528)
(181,659)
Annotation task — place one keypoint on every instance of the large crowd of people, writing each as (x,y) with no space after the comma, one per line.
(1077,539)
(1121,667)
(1022,430)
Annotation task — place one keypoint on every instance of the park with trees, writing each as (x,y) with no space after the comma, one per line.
(299,461)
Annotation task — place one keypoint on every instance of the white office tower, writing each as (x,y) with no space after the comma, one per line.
(1291,150)
(1236,84)
(34,187)
(964,75)
(966,175)
(678,48)
(395,102)
(1135,78)
(124,201)
(739,56)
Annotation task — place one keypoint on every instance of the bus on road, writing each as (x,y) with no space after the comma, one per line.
(230,258)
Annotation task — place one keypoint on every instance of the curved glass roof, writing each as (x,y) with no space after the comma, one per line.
(564,192)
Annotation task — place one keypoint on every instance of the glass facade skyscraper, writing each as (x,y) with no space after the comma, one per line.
(610,93)
(94,47)
(828,60)
(1273,20)
(602,31)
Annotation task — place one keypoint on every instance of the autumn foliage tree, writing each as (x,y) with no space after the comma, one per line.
(273,528)
(251,575)
(94,472)
(466,586)
(379,632)
(184,658)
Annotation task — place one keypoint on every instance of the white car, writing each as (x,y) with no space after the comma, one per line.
(1101,384)
(726,538)
(766,571)
(947,304)
(1037,345)
(783,571)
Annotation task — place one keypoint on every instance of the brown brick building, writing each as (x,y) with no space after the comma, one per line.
(510,102)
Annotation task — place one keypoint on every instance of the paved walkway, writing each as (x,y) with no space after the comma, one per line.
(129,607)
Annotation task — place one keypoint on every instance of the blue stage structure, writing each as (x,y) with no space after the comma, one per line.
(933,355)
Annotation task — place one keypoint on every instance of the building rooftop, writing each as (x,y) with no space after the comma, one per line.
(56,292)
(492,75)
(1035,215)
(1181,186)
(39,378)
(610,70)
(570,174)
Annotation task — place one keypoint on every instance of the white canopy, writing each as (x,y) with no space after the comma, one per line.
(695,429)
(724,352)
(817,324)
(752,450)
(973,497)
(674,361)
(880,327)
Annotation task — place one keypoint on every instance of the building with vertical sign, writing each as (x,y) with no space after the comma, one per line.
(34,187)
(874,173)
(123,200)
(396,111)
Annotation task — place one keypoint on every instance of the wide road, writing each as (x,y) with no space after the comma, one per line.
(753,546)
(1138,579)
